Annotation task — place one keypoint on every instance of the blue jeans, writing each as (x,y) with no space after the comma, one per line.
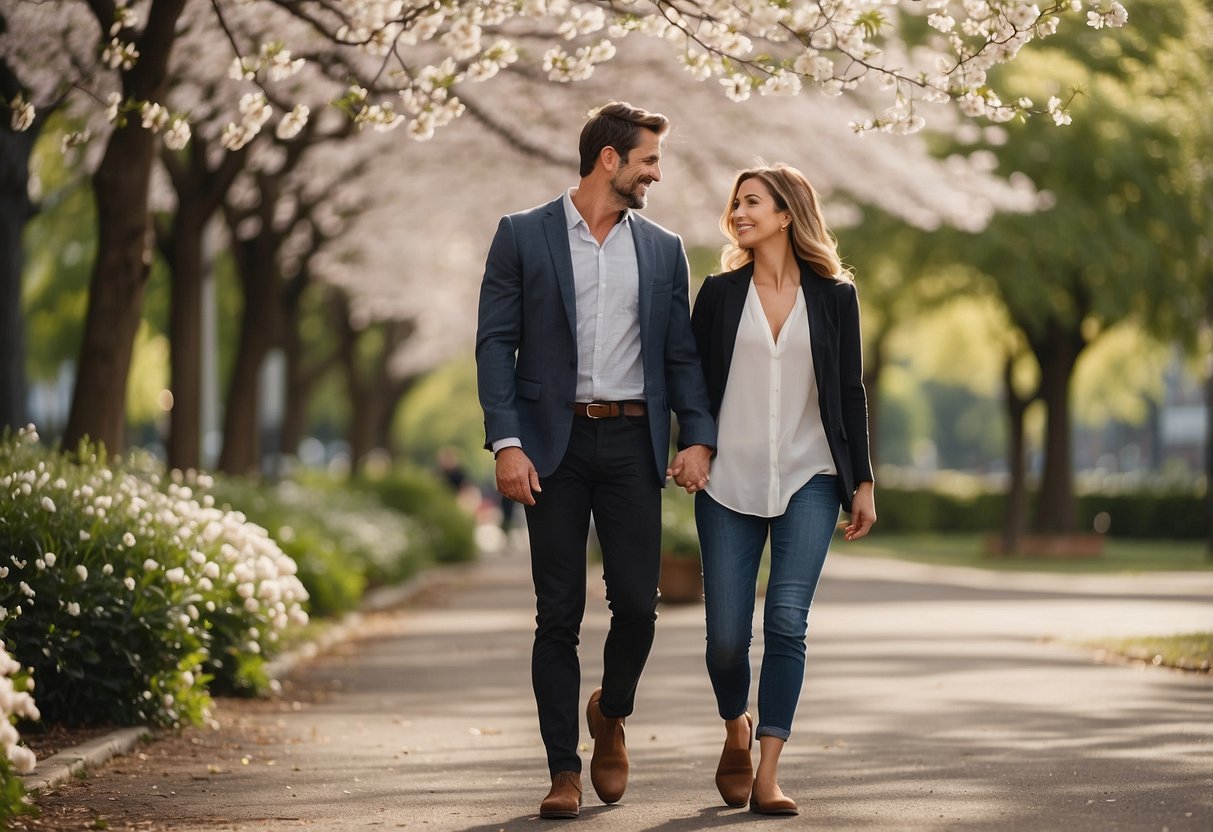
(731,545)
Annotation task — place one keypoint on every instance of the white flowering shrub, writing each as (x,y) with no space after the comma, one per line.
(16,703)
(128,599)
(341,539)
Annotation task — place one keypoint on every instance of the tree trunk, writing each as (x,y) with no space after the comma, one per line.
(15,211)
(873,366)
(260,331)
(115,299)
(123,245)
(1057,353)
(200,191)
(298,389)
(184,254)
(1016,516)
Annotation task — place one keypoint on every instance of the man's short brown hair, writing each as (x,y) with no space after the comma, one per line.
(616,125)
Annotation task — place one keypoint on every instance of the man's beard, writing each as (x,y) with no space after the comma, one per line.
(629,196)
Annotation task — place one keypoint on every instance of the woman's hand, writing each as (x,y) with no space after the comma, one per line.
(863,511)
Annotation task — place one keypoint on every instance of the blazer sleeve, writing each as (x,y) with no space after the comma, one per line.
(854,397)
(498,334)
(688,393)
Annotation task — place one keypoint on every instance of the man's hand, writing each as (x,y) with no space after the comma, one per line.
(863,512)
(690,468)
(516,476)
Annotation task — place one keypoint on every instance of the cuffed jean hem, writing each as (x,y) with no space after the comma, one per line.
(769,731)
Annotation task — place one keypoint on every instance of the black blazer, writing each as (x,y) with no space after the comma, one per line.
(833,308)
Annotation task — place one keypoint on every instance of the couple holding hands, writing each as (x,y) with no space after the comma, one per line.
(585,344)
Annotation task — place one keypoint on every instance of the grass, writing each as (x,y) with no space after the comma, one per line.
(1189,651)
(1119,555)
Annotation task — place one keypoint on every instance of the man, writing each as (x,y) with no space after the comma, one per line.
(583,347)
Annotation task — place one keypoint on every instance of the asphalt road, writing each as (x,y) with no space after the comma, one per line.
(935,699)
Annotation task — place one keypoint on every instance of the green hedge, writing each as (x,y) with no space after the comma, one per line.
(448,533)
(1144,514)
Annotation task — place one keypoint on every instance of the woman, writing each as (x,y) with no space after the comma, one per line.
(778,335)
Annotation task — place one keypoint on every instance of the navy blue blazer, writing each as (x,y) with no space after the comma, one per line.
(833,308)
(526,348)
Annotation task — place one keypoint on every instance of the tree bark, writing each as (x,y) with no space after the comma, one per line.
(123,245)
(184,254)
(1015,519)
(261,329)
(200,191)
(1057,352)
(375,394)
(15,212)
(873,366)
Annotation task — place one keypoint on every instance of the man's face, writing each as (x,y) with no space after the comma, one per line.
(633,177)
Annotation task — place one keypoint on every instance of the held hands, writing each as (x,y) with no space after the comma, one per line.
(863,512)
(516,476)
(690,468)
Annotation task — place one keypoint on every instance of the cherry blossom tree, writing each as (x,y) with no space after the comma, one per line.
(409,60)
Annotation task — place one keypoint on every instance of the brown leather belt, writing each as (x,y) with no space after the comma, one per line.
(608,410)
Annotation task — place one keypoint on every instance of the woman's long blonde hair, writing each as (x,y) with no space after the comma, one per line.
(811,239)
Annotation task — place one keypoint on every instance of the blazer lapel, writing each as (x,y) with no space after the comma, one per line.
(811,285)
(733,304)
(556,229)
(646,265)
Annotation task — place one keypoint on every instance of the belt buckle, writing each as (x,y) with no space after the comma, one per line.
(589,410)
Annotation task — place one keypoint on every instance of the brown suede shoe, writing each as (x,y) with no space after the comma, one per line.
(780,806)
(735,773)
(564,800)
(609,765)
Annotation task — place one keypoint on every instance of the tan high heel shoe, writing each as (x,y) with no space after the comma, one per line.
(735,772)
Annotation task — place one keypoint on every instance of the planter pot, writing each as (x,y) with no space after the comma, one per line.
(681,580)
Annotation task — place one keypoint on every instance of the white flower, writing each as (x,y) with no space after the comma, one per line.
(176,575)
(1023,15)
(22,758)
(26,589)
(293,122)
(107,570)
(1055,109)
(48,504)
(129,583)
(82,571)
(73,608)
(242,69)
(255,108)
(50,558)
(737,87)
(23,114)
(150,565)
(235,136)
(178,135)
(942,22)
(128,539)
(155,116)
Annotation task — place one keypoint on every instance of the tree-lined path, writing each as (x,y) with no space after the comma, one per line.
(936,699)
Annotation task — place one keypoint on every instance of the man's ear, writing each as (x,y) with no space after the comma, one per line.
(609,157)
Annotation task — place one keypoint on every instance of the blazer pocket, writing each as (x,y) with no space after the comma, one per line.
(527,389)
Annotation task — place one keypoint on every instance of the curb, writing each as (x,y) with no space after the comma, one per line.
(65,764)
(61,766)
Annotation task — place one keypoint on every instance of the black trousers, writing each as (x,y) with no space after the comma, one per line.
(608,472)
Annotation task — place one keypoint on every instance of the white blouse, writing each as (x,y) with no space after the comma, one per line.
(770,440)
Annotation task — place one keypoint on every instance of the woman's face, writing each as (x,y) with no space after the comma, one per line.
(755,217)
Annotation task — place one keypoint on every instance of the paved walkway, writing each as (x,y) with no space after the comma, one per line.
(936,699)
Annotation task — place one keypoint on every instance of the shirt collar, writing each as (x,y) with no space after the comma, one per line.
(573,218)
